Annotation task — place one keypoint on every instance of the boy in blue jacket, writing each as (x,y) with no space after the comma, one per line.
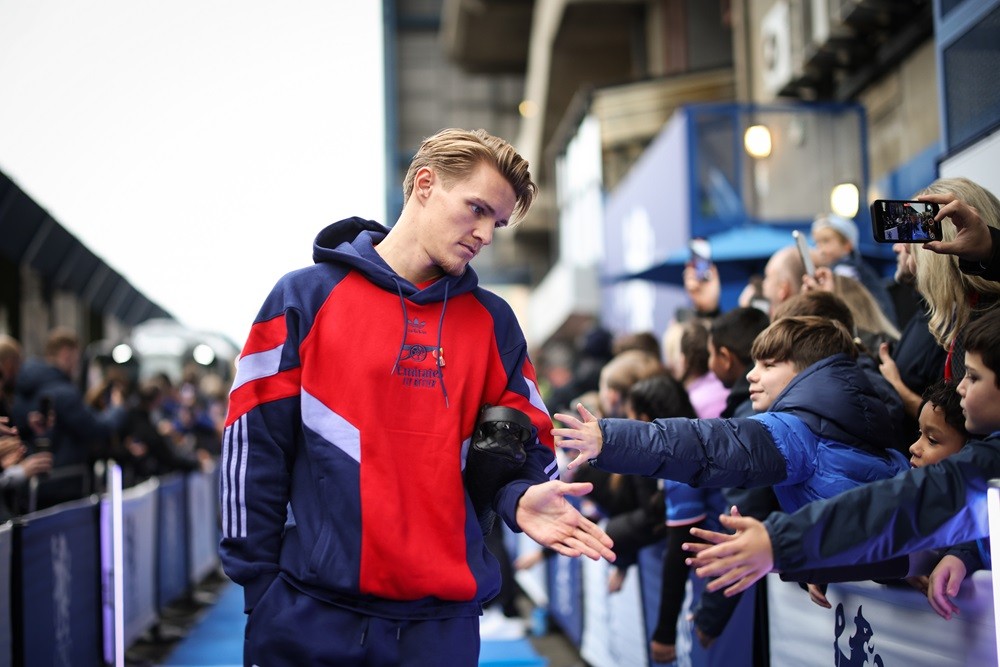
(928,507)
(821,428)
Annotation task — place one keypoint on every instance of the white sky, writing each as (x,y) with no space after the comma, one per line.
(197,146)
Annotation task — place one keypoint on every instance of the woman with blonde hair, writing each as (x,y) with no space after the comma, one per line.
(955,298)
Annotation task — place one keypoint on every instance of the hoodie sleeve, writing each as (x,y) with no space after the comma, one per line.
(700,452)
(262,429)
(937,506)
(522,393)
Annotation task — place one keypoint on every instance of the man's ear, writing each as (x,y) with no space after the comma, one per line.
(423,182)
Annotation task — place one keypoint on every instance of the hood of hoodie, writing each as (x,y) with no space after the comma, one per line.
(351,242)
(836,400)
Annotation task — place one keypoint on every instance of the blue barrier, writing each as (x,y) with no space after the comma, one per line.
(203,524)
(171,527)
(57,604)
(565,586)
(139,533)
(874,624)
(6,649)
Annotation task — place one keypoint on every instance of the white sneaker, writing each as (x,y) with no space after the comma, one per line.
(494,625)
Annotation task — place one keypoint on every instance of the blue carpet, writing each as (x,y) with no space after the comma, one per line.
(217,640)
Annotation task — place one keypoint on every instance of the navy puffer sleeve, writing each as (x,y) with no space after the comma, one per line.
(937,506)
(712,453)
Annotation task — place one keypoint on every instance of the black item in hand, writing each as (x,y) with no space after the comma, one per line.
(495,455)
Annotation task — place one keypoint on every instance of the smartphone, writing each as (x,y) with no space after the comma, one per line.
(807,260)
(899,221)
(701,257)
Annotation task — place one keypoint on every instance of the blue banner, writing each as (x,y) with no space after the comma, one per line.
(6,649)
(171,526)
(203,523)
(566,596)
(139,534)
(59,605)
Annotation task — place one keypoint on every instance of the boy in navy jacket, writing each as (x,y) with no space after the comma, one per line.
(821,428)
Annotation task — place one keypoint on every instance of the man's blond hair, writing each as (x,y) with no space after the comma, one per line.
(454,154)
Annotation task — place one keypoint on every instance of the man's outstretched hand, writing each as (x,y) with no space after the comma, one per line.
(544,514)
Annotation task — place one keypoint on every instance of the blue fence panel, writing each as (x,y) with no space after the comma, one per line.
(874,624)
(171,526)
(566,595)
(57,572)
(203,524)
(6,649)
(139,576)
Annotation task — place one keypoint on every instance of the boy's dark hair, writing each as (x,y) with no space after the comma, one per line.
(942,395)
(659,397)
(803,340)
(819,303)
(982,336)
(736,330)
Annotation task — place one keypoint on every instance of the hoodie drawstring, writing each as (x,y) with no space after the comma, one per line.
(439,356)
(406,324)
(438,351)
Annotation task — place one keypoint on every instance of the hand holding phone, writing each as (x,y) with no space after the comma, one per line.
(701,257)
(905,221)
(807,261)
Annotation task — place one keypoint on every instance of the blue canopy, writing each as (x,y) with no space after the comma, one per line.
(736,253)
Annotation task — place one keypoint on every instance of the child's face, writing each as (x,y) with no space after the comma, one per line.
(830,246)
(980,396)
(767,379)
(938,439)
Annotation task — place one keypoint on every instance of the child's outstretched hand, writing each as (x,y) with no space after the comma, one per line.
(943,585)
(584,435)
(737,561)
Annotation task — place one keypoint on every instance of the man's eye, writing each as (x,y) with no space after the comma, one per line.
(500,224)
(477,209)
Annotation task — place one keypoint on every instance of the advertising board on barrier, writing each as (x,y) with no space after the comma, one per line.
(58,577)
(873,624)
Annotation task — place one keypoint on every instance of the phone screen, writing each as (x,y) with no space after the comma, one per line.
(701,257)
(903,221)
(800,241)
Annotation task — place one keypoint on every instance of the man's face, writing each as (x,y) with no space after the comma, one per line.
(767,379)
(772,282)
(980,396)
(460,219)
(938,439)
(830,246)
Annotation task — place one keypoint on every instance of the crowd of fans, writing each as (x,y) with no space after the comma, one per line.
(63,417)
(867,369)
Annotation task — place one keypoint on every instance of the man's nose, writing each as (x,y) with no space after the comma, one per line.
(484,232)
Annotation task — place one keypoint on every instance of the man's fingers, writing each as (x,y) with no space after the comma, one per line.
(578,489)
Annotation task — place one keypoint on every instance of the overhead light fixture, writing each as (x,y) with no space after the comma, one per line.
(757,141)
(203,354)
(845,200)
(121,353)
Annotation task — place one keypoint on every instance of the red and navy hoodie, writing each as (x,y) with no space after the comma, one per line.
(350,417)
